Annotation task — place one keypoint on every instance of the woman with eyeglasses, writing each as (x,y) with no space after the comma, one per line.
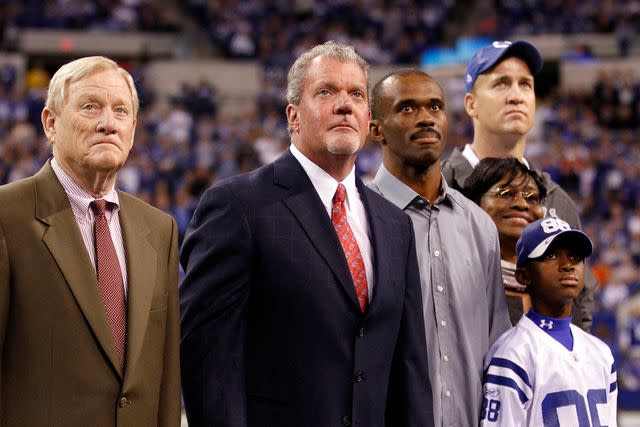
(513,196)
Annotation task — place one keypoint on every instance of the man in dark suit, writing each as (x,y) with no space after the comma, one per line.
(89,322)
(301,303)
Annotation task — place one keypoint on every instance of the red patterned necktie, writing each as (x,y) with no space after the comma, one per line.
(110,279)
(350,246)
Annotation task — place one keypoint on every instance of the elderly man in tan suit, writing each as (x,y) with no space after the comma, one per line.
(88,274)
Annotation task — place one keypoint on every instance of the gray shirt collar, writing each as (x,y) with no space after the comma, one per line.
(400,194)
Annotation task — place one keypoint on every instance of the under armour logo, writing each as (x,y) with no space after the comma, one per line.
(546,324)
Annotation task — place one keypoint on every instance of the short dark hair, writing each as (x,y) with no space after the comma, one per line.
(376,92)
(492,170)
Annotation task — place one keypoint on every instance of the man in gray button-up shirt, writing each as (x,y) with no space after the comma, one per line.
(457,243)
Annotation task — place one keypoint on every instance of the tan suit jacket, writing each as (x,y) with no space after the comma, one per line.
(59,366)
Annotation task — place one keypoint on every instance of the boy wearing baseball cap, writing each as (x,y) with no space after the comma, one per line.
(546,371)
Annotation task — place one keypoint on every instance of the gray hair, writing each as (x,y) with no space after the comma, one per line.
(78,70)
(331,49)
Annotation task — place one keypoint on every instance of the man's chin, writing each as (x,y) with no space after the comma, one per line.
(516,128)
(107,161)
(343,148)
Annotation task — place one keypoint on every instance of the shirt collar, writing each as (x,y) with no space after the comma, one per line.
(79,198)
(399,193)
(473,159)
(324,183)
(549,323)
(470,156)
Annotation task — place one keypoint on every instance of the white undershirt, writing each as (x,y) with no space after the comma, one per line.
(473,159)
(326,186)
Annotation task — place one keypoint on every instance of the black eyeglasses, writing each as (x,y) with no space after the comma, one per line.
(531,197)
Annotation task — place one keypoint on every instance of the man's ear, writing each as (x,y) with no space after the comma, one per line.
(522,276)
(469,104)
(48,119)
(376,131)
(293,118)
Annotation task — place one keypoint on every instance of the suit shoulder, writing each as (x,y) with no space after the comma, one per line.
(142,207)
(17,189)
(559,203)
(456,169)
(246,185)
(17,198)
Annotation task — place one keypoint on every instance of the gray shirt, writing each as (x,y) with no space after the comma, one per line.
(462,290)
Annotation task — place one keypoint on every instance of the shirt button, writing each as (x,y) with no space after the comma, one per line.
(436,253)
(443,322)
(440,288)
(445,358)
(361,332)
(447,393)
(346,420)
(359,377)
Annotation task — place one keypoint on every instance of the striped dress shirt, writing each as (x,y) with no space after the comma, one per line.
(80,201)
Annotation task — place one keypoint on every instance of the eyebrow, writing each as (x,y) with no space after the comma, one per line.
(83,96)
(505,76)
(332,85)
(414,101)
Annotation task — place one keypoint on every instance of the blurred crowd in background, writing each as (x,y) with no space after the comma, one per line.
(588,141)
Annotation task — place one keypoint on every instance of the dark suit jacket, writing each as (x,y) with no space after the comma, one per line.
(272,333)
(59,366)
(457,169)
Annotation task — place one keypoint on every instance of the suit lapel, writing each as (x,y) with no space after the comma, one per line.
(141,278)
(65,244)
(461,167)
(306,206)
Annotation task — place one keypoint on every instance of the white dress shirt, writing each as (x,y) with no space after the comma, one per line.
(473,159)
(326,187)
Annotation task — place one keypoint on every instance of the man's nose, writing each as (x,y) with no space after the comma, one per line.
(424,117)
(515,94)
(344,103)
(107,123)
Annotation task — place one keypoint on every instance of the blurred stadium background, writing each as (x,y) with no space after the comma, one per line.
(211,75)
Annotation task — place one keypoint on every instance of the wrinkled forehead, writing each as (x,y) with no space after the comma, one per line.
(102,82)
(326,69)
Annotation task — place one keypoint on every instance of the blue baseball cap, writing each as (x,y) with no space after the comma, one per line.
(539,235)
(491,54)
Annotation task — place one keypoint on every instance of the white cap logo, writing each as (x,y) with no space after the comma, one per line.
(501,45)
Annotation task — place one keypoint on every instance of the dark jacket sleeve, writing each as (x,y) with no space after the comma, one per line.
(410,399)
(213,300)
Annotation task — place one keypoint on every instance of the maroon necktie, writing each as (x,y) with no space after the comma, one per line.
(110,279)
(350,246)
